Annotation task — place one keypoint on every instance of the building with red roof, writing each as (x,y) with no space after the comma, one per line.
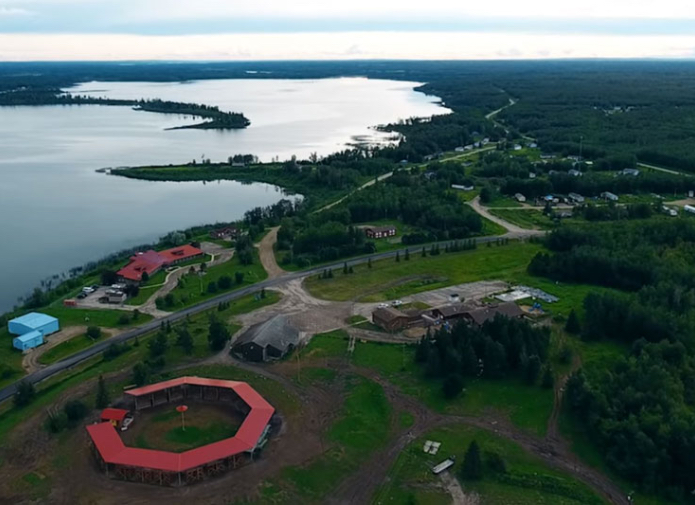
(151,262)
(169,468)
(113,416)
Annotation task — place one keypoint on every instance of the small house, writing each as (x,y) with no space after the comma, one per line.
(633,172)
(272,339)
(228,232)
(377,232)
(519,197)
(607,195)
(517,147)
(115,296)
(462,187)
(575,173)
(391,319)
(532,145)
(28,340)
(532,175)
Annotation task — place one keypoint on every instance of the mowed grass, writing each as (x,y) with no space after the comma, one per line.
(67,348)
(388,279)
(528,407)
(525,218)
(527,480)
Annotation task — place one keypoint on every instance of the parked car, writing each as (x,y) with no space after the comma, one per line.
(82,295)
(95,286)
(126,423)
(88,289)
(397,303)
(383,305)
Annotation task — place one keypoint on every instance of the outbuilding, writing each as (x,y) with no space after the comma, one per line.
(271,339)
(32,322)
(114,416)
(28,340)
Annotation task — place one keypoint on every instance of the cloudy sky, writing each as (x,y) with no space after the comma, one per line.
(326,29)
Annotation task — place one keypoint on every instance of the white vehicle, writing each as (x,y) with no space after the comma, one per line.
(89,290)
(383,305)
(397,303)
(126,423)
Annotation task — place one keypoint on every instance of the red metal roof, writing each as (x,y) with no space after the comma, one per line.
(112,449)
(110,414)
(151,261)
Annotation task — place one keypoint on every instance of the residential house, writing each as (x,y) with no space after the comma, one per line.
(633,172)
(377,232)
(520,198)
(576,198)
(228,232)
(607,195)
(479,316)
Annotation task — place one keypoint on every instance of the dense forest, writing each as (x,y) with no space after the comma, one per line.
(641,411)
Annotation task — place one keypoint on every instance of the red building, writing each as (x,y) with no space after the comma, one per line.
(151,262)
(378,232)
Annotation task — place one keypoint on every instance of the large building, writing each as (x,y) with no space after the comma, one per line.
(152,466)
(150,262)
(391,319)
(271,339)
(31,329)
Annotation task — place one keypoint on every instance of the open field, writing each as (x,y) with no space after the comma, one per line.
(67,348)
(161,428)
(525,218)
(527,479)
(528,407)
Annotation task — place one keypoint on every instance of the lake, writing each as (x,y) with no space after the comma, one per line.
(56,212)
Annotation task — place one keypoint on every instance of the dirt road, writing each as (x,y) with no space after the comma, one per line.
(266,251)
(513,231)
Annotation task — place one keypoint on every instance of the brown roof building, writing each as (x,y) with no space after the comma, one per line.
(380,231)
(488,313)
(391,319)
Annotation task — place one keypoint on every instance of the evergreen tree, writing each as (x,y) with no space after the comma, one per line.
(572,326)
(424,252)
(25,394)
(102,400)
(472,468)
(469,361)
(452,386)
(407,255)
(158,345)
(185,340)
(532,369)
(140,374)
(547,380)
(398,256)
(345,268)
(218,334)
(369,263)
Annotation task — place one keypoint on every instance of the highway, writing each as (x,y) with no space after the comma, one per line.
(81,356)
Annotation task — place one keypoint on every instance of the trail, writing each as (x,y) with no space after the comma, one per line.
(266,251)
(363,186)
(513,231)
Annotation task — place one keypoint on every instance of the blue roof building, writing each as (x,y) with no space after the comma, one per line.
(31,322)
(28,340)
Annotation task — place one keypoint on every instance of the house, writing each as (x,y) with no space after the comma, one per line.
(480,316)
(459,149)
(115,296)
(689,208)
(532,145)
(485,141)
(33,322)
(517,147)
(575,197)
(633,172)
(377,232)
(150,262)
(228,232)
(469,147)
(532,175)
(272,339)
(519,197)
(575,173)
(450,312)
(606,195)
(114,416)
(429,175)
(391,319)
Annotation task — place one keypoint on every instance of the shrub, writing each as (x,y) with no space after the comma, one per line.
(75,410)
(25,394)
(94,332)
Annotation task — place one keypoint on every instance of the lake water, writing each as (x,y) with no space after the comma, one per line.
(56,212)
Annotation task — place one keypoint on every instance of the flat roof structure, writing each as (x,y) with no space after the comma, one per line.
(32,321)
(111,414)
(250,434)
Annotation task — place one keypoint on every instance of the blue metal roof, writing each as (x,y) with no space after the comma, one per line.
(27,337)
(34,320)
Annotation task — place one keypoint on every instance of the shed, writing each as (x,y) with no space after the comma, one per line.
(113,416)
(272,339)
(31,322)
(28,340)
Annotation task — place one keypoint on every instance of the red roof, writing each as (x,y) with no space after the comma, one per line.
(112,449)
(113,414)
(151,261)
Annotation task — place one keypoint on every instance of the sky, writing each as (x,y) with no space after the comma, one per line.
(350,29)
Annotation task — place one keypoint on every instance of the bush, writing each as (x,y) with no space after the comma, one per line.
(453,385)
(25,394)
(75,411)
(239,277)
(56,422)
(212,287)
(224,282)
(114,350)
(140,374)
(495,462)
(124,319)
(94,332)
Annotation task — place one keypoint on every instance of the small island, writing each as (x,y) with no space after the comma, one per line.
(213,116)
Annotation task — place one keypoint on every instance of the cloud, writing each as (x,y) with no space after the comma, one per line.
(349,45)
(14,11)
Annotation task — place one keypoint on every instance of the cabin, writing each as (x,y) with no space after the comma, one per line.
(377,232)
(520,198)
(392,320)
(270,340)
(607,195)
(575,198)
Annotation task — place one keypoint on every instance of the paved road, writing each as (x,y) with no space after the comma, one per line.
(81,356)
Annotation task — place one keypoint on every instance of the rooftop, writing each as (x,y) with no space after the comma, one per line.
(276,331)
(111,414)
(508,309)
(34,320)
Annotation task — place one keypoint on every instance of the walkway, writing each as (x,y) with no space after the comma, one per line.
(513,231)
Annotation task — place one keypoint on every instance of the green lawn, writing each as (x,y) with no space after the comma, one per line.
(388,279)
(528,407)
(70,316)
(67,348)
(194,288)
(525,218)
(527,479)
(502,201)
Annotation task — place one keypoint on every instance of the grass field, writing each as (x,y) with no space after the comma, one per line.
(528,407)
(527,480)
(67,348)
(525,218)
(362,427)
(204,424)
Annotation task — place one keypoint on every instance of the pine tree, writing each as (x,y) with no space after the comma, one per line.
(424,252)
(345,268)
(184,340)
(572,326)
(102,399)
(547,381)
(369,263)
(407,255)
(398,256)
(472,468)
